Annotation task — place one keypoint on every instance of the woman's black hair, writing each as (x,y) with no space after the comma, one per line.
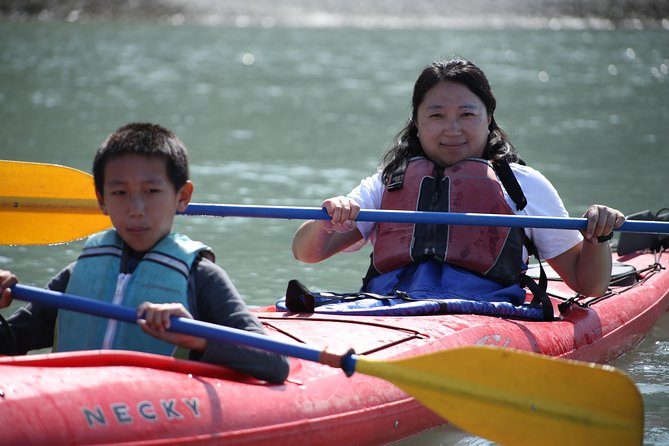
(407,144)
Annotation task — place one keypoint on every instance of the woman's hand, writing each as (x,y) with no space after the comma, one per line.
(343,211)
(586,267)
(154,319)
(316,240)
(7,279)
(602,220)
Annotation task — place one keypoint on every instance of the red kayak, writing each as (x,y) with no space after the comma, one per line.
(104,397)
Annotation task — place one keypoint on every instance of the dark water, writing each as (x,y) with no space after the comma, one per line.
(289,116)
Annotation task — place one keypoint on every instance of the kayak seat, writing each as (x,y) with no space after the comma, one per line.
(622,274)
(629,242)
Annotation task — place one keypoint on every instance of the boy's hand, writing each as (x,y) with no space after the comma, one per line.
(7,279)
(154,319)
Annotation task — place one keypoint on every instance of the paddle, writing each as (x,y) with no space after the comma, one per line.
(48,203)
(508,396)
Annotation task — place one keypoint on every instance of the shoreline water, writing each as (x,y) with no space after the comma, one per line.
(553,14)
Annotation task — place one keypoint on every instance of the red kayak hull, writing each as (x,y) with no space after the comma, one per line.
(105,397)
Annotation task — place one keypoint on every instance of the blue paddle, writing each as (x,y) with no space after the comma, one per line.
(417,217)
(47,203)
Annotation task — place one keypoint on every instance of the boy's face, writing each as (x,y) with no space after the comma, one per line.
(141,200)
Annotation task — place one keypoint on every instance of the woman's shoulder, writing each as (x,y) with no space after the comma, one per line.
(368,192)
(542,197)
(529,176)
(524,169)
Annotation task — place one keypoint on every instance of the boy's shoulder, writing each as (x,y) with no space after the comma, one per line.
(206,271)
(59,281)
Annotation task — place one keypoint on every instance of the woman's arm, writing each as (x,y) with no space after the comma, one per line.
(586,267)
(316,240)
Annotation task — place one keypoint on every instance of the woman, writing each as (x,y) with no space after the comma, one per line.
(452,156)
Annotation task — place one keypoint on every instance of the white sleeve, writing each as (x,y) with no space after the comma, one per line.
(368,195)
(543,200)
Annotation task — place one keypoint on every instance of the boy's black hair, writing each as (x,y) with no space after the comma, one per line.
(145,139)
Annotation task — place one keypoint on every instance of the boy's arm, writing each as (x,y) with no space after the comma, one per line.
(217,301)
(33,325)
(7,280)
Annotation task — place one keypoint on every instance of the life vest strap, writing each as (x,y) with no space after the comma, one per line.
(510,183)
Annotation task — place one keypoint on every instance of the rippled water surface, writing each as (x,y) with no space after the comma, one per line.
(290,116)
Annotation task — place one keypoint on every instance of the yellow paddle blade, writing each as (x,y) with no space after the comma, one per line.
(46,204)
(520,398)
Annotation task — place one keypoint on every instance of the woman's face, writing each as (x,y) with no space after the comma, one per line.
(452,124)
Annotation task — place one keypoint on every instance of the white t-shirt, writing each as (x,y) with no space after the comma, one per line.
(542,200)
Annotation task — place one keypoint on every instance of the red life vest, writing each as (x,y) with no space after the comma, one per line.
(468,186)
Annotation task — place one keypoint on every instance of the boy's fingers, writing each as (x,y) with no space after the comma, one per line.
(141,309)
(5,298)
(165,322)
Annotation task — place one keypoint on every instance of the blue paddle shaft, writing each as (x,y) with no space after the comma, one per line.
(418,217)
(179,324)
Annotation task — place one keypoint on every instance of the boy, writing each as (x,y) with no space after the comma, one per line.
(141,181)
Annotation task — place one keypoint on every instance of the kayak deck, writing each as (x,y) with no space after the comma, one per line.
(137,399)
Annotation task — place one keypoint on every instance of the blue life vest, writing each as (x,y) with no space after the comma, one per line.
(160,277)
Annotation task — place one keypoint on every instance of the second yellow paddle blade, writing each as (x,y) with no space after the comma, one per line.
(520,398)
(46,204)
